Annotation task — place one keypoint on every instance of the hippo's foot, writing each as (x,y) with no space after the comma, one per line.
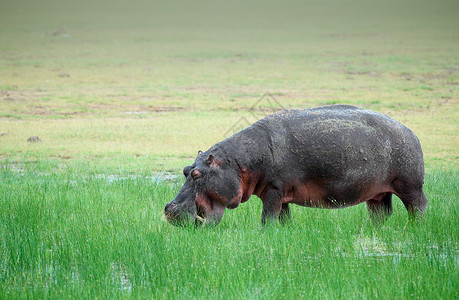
(380,210)
(413,197)
(273,208)
(270,217)
(415,203)
(285,216)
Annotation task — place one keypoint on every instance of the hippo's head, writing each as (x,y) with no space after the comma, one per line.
(211,185)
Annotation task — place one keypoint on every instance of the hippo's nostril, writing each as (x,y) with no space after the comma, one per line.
(170,207)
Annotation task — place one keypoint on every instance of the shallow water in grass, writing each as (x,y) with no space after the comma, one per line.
(76,234)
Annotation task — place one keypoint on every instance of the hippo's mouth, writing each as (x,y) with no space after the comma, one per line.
(208,212)
(200,217)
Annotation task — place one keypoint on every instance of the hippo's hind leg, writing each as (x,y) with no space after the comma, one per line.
(412,196)
(380,210)
(415,203)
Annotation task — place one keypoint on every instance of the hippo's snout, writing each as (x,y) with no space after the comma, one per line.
(182,209)
(170,211)
(170,208)
(178,215)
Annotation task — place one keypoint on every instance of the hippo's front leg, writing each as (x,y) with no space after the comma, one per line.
(285,216)
(272,206)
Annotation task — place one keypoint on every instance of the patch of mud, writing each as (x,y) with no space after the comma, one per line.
(155,109)
(159,109)
(367,73)
(444,76)
(355,35)
(34,139)
(60,156)
(18,96)
(135,109)
(60,32)
(353,69)
(230,58)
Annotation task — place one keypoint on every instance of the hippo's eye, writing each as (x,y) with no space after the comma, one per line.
(196,174)
(186,171)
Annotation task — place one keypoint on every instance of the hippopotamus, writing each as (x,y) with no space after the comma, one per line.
(326,157)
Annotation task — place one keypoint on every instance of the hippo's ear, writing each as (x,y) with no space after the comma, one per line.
(199,153)
(210,159)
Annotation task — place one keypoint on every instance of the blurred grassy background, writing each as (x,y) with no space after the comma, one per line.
(145,84)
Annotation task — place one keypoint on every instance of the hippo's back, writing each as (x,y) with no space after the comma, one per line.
(342,142)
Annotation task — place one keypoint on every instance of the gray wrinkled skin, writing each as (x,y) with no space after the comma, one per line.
(329,157)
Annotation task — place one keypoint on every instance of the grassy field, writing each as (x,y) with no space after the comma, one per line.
(73,234)
(119,93)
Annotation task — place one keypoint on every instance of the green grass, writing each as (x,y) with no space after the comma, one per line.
(72,235)
(128,89)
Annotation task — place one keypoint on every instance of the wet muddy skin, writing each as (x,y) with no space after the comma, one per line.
(327,157)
